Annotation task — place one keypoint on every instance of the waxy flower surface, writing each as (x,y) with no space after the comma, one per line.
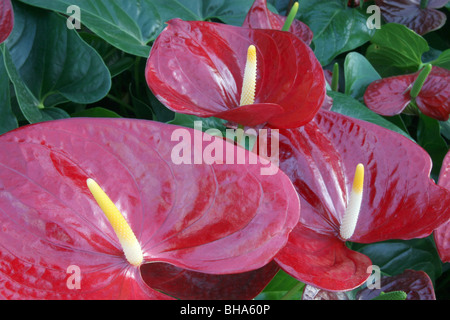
(392,95)
(260,17)
(199,68)
(399,200)
(442,234)
(103,198)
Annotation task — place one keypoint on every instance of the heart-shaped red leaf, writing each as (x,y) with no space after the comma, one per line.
(410,14)
(198,68)
(260,17)
(442,234)
(6,19)
(320,158)
(390,96)
(194,216)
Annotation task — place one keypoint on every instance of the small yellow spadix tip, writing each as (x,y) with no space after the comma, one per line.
(358,180)
(249,81)
(351,214)
(127,239)
(251,54)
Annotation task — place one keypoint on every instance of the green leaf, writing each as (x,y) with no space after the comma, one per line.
(358,73)
(395,256)
(429,137)
(395,47)
(228,11)
(50,64)
(130,25)
(116,60)
(348,106)
(336,27)
(443,60)
(8,121)
(28,103)
(445,128)
(123,23)
(186,120)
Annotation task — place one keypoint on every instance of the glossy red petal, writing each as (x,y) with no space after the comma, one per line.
(321,158)
(400,201)
(390,96)
(442,234)
(6,19)
(198,67)
(410,14)
(323,261)
(196,216)
(185,284)
(260,17)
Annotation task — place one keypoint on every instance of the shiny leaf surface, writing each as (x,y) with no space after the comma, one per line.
(131,25)
(77,73)
(197,217)
(395,50)
(336,28)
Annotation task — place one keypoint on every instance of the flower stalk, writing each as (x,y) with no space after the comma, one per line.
(290,17)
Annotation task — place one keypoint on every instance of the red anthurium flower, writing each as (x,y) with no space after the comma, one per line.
(6,19)
(442,234)
(357,182)
(246,76)
(411,13)
(260,17)
(86,204)
(390,96)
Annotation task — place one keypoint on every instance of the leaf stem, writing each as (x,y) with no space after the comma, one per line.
(290,17)
(421,78)
(335,77)
(423,4)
